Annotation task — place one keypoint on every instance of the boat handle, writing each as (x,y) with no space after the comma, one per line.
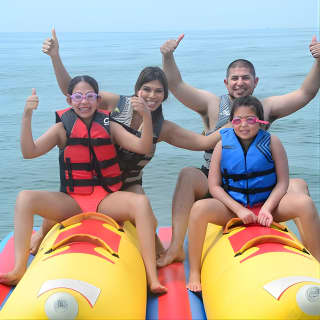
(271,238)
(83,238)
(236,222)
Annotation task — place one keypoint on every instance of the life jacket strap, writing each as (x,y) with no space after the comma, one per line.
(246,176)
(247,191)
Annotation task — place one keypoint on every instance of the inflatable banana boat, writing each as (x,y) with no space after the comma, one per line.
(87,267)
(254,272)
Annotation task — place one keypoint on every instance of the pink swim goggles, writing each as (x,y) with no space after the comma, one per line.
(248,120)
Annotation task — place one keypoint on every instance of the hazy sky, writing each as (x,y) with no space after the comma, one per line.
(156,15)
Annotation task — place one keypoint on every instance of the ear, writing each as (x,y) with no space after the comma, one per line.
(68,99)
(256,80)
(225,81)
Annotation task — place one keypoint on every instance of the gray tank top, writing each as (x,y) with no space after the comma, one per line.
(223,118)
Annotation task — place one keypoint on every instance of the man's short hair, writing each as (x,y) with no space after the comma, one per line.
(242,63)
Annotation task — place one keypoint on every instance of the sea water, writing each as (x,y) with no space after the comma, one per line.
(281,57)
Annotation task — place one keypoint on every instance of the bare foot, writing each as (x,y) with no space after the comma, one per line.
(157,288)
(170,256)
(194,283)
(11,278)
(35,242)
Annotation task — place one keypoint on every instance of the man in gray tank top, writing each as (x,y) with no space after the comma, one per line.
(192,184)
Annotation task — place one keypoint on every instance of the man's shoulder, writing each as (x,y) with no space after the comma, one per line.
(220,104)
(214,102)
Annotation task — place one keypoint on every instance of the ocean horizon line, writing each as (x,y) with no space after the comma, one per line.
(171,31)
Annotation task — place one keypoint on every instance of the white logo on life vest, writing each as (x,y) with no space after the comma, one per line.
(106,121)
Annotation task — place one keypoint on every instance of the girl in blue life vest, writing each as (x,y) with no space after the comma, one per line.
(89,173)
(248,173)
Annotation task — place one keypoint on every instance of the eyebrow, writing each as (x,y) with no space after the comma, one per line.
(240,76)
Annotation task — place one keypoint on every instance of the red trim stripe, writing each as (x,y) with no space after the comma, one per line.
(175,304)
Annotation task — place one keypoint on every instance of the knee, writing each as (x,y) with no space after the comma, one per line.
(142,208)
(305,207)
(25,197)
(298,185)
(197,211)
(25,202)
(192,181)
(185,175)
(140,201)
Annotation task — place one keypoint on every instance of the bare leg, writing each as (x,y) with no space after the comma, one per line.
(301,206)
(136,208)
(192,185)
(137,188)
(202,212)
(51,205)
(38,236)
(299,186)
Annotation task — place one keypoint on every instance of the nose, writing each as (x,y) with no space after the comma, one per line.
(244,122)
(239,81)
(152,93)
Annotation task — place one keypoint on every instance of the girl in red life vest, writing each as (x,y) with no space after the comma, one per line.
(89,173)
(248,173)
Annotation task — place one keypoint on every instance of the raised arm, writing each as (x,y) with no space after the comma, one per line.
(280,106)
(195,99)
(30,148)
(51,47)
(186,139)
(129,141)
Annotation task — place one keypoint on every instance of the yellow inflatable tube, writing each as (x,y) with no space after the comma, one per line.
(86,268)
(254,272)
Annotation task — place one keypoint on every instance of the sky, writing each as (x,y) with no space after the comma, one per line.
(156,15)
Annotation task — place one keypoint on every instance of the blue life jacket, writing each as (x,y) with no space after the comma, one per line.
(248,178)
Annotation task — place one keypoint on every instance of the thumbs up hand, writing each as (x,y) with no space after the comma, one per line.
(32,102)
(170,45)
(139,104)
(315,48)
(50,46)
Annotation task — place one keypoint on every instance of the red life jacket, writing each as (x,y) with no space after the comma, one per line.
(89,158)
